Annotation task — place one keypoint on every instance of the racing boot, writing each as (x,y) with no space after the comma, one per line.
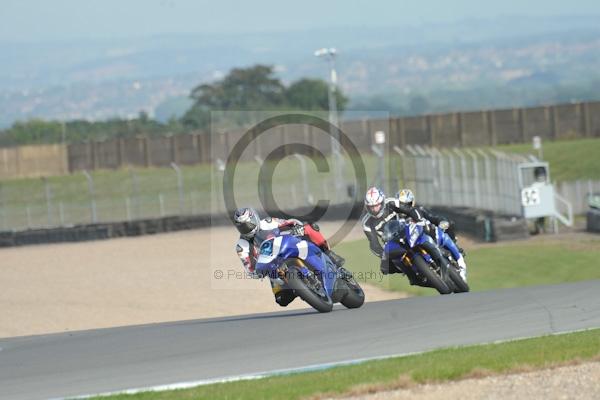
(283,297)
(337,260)
(462,268)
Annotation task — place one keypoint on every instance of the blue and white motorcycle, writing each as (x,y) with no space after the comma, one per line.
(301,266)
(414,252)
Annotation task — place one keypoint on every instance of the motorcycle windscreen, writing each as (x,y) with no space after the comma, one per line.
(391,246)
(414,234)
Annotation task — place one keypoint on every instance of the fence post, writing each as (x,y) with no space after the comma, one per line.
(304,176)
(522,125)
(416,180)
(174,149)
(491,120)
(48,195)
(179,186)
(441,176)
(2,207)
(554,122)
(378,180)
(488,179)
(431,130)
(122,157)
(475,178)
(146,149)
(401,132)
(136,194)
(432,161)
(161,205)
(452,179)
(61,214)
(460,128)
(463,177)
(585,115)
(28,211)
(400,153)
(92,192)
(128,208)
(193,202)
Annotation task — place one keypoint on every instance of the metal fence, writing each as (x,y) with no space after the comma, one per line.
(440,177)
(483,179)
(577,193)
(94,197)
(130,194)
(480,179)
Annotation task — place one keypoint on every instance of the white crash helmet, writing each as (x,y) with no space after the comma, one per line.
(247,222)
(406,197)
(374,200)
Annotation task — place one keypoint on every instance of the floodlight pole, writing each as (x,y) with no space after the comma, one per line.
(329,54)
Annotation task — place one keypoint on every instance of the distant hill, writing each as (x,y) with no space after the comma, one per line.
(102,78)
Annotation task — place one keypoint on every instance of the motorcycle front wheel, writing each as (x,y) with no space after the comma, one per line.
(355,297)
(459,284)
(309,290)
(432,277)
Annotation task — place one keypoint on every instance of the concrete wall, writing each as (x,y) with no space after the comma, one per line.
(33,161)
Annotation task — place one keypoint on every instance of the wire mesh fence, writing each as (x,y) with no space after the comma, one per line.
(132,194)
(482,179)
(578,193)
(486,180)
(103,196)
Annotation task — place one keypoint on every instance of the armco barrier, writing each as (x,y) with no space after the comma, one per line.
(485,225)
(480,225)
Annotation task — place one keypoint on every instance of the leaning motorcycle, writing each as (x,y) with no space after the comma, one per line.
(300,265)
(410,238)
(457,284)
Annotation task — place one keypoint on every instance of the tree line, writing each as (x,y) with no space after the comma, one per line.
(255,88)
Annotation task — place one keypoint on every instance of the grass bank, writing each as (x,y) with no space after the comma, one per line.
(434,366)
(493,267)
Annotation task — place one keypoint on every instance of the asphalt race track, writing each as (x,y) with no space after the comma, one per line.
(106,360)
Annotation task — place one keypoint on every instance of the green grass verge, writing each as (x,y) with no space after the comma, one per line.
(438,365)
(569,159)
(493,267)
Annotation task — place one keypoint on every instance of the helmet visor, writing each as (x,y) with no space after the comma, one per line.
(246,227)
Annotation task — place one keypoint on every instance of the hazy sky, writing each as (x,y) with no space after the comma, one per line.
(40,20)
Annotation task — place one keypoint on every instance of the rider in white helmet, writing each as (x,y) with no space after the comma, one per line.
(378,212)
(406,198)
(254,230)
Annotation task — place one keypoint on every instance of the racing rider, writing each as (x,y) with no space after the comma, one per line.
(248,223)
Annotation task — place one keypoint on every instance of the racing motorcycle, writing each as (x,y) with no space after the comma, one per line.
(411,239)
(300,265)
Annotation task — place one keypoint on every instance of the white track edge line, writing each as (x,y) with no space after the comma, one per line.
(291,371)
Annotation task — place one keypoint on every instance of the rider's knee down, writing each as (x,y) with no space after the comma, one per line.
(284,297)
